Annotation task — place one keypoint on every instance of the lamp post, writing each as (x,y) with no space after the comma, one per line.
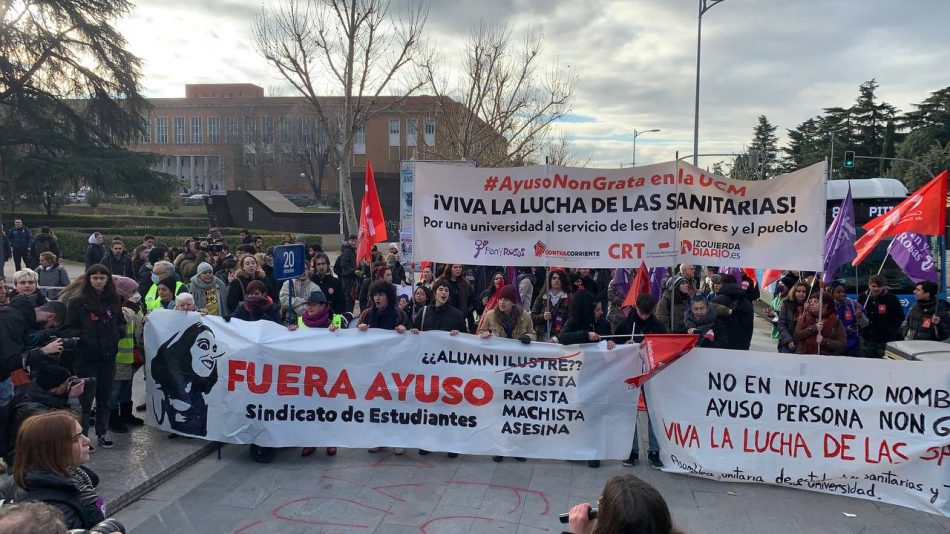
(637,133)
(704,6)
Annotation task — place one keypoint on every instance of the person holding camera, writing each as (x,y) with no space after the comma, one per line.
(17,321)
(49,468)
(627,504)
(52,387)
(95,316)
(41,518)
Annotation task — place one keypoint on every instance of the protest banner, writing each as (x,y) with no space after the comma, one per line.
(606,218)
(878,431)
(257,382)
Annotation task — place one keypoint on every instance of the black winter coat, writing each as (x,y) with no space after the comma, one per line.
(445,318)
(885,316)
(270,313)
(574,333)
(919,324)
(74,496)
(739,324)
(121,266)
(98,329)
(332,287)
(94,254)
(638,327)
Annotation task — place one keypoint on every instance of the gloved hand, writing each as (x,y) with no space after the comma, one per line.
(358,273)
(526,339)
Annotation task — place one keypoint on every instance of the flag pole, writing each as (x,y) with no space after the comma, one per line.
(821,308)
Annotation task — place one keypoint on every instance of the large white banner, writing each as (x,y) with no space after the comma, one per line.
(660,214)
(242,382)
(872,429)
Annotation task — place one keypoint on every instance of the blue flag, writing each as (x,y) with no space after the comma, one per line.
(839,241)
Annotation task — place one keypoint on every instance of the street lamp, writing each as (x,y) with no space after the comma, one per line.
(637,133)
(704,6)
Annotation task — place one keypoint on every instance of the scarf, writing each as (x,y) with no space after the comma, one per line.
(257,303)
(320,320)
(508,320)
(385,318)
(829,320)
(701,325)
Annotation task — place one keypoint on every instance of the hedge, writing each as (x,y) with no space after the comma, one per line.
(34,221)
(73,243)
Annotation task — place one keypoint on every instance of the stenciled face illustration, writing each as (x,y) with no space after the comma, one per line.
(204,352)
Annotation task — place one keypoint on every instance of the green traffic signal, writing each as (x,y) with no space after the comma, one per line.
(849,159)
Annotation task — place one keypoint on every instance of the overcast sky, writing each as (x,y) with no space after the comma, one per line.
(635,59)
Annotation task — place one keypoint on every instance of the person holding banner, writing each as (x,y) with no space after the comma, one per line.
(380,272)
(549,312)
(819,331)
(509,321)
(929,317)
(421,297)
(461,293)
(673,304)
(789,317)
(637,325)
(739,323)
(439,316)
(257,304)
(885,316)
(249,271)
(383,313)
(852,317)
(700,321)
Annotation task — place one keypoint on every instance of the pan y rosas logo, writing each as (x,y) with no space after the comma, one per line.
(482,246)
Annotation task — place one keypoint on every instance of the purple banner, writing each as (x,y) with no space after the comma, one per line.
(839,241)
(911,252)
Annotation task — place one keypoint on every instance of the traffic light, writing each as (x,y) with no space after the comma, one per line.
(849,159)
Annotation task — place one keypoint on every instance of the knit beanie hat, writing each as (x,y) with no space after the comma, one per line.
(124,285)
(51,376)
(168,282)
(508,292)
(204,267)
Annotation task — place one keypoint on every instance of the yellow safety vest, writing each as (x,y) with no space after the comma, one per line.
(126,345)
(336,321)
(152,301)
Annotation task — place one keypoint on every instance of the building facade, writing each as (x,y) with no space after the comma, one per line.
(232,136)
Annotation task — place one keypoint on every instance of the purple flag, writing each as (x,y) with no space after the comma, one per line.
(911,252)
(839,241)
(656,281)
(621,281)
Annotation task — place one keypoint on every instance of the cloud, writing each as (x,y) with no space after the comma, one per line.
(635,60)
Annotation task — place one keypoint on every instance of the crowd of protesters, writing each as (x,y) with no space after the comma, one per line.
(102,311)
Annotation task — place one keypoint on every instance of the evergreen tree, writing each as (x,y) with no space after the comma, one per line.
(765,142)
(70,101)
(873,130)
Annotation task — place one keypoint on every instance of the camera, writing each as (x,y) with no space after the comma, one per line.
(209,244)
(89,382)
(70,343)
(591,515)
(104,527)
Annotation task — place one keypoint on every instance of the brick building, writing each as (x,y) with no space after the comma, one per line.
(231,136)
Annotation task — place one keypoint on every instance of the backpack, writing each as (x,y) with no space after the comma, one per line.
(41,246)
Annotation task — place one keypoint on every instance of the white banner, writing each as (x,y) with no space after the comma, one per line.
(604,218)
(872,429)
(242,382)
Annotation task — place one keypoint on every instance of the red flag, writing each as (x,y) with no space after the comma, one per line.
(924,212)
(660,350)
(640,284)
(770,275)
(750,272)
(372,223)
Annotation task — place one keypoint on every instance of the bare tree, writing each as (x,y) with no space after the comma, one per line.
(359,45)
(561,152)
(507,105)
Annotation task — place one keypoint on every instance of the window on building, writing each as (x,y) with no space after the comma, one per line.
(285,135)
(214,130)
(304,123)
(429,134)
(359,140)
(161,130)
(267,130)
(248,130)
(412,131)
(393,132)
(179,130)
(146,136)
(196,130)
(231,129)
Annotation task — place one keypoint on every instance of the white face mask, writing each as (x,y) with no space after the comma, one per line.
(135,298)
